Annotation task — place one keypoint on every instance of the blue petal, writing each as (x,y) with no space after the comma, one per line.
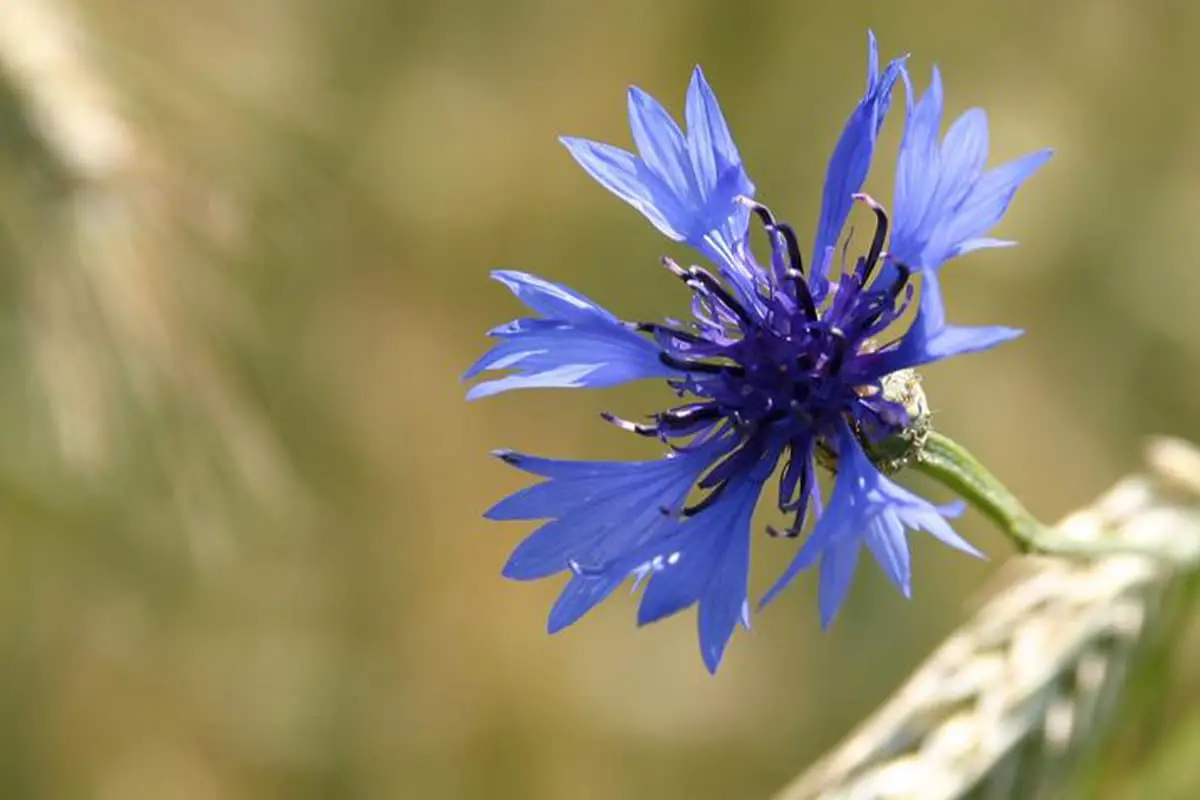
(710,566)
(839,562)
(707,561)
(630,179)
(805,557)
(945,202)
(987,203)
(570,358)
(930,338)
(872,59)
(935,523)
(885,537)
(866,508)
(685,185)
(660,143)
(572,488)
(851,160)
(600,511)
(551,300)
(709,141)
(556,468)
(580,596)
(581,345)
(918,163)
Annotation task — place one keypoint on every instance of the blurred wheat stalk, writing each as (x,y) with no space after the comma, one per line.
(115,244)
(1013,698)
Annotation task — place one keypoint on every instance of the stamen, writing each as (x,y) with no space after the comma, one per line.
(699,278)
(673,267)
(631,427)
(881,231)
(689,415)
(698,366)
(789,533)
(903,273)
(759,210)
(665,330)
(803,295)
(839,350)
(705,502)
(888,308)
(795,260)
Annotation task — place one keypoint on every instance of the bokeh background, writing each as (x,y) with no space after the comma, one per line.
(244,250)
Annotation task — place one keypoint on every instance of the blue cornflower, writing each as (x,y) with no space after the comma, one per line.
(778,364)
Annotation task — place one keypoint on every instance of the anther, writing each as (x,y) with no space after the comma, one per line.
(789,533)
(631,427)
(689,415)
(673,267)
(508,456)
(759,210)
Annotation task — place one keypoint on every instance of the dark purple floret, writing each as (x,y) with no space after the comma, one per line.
(782,370)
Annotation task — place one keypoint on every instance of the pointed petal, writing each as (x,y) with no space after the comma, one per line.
(582,345)
(550,299)
(832,526)
(551,548)
(945,202)
(931,339)
(987,203)
(661,145)
(917,169)
(804,558)
(679,583)
(706,560)
(838,564)
(570,358)
(983,243)
(851,161)
(602,516)
(578,597)
(886,539)
(964,154)
(872,59)
(629,179)
(724,603)
(708,138)
(934,524)
(690,560)
(559,468)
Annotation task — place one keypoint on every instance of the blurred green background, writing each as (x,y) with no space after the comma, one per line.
(241,552)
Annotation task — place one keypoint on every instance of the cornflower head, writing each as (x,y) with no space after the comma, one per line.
(781,363)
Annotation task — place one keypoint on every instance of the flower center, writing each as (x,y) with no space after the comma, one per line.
(774,366)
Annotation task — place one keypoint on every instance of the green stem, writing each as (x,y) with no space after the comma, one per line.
(950,464)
